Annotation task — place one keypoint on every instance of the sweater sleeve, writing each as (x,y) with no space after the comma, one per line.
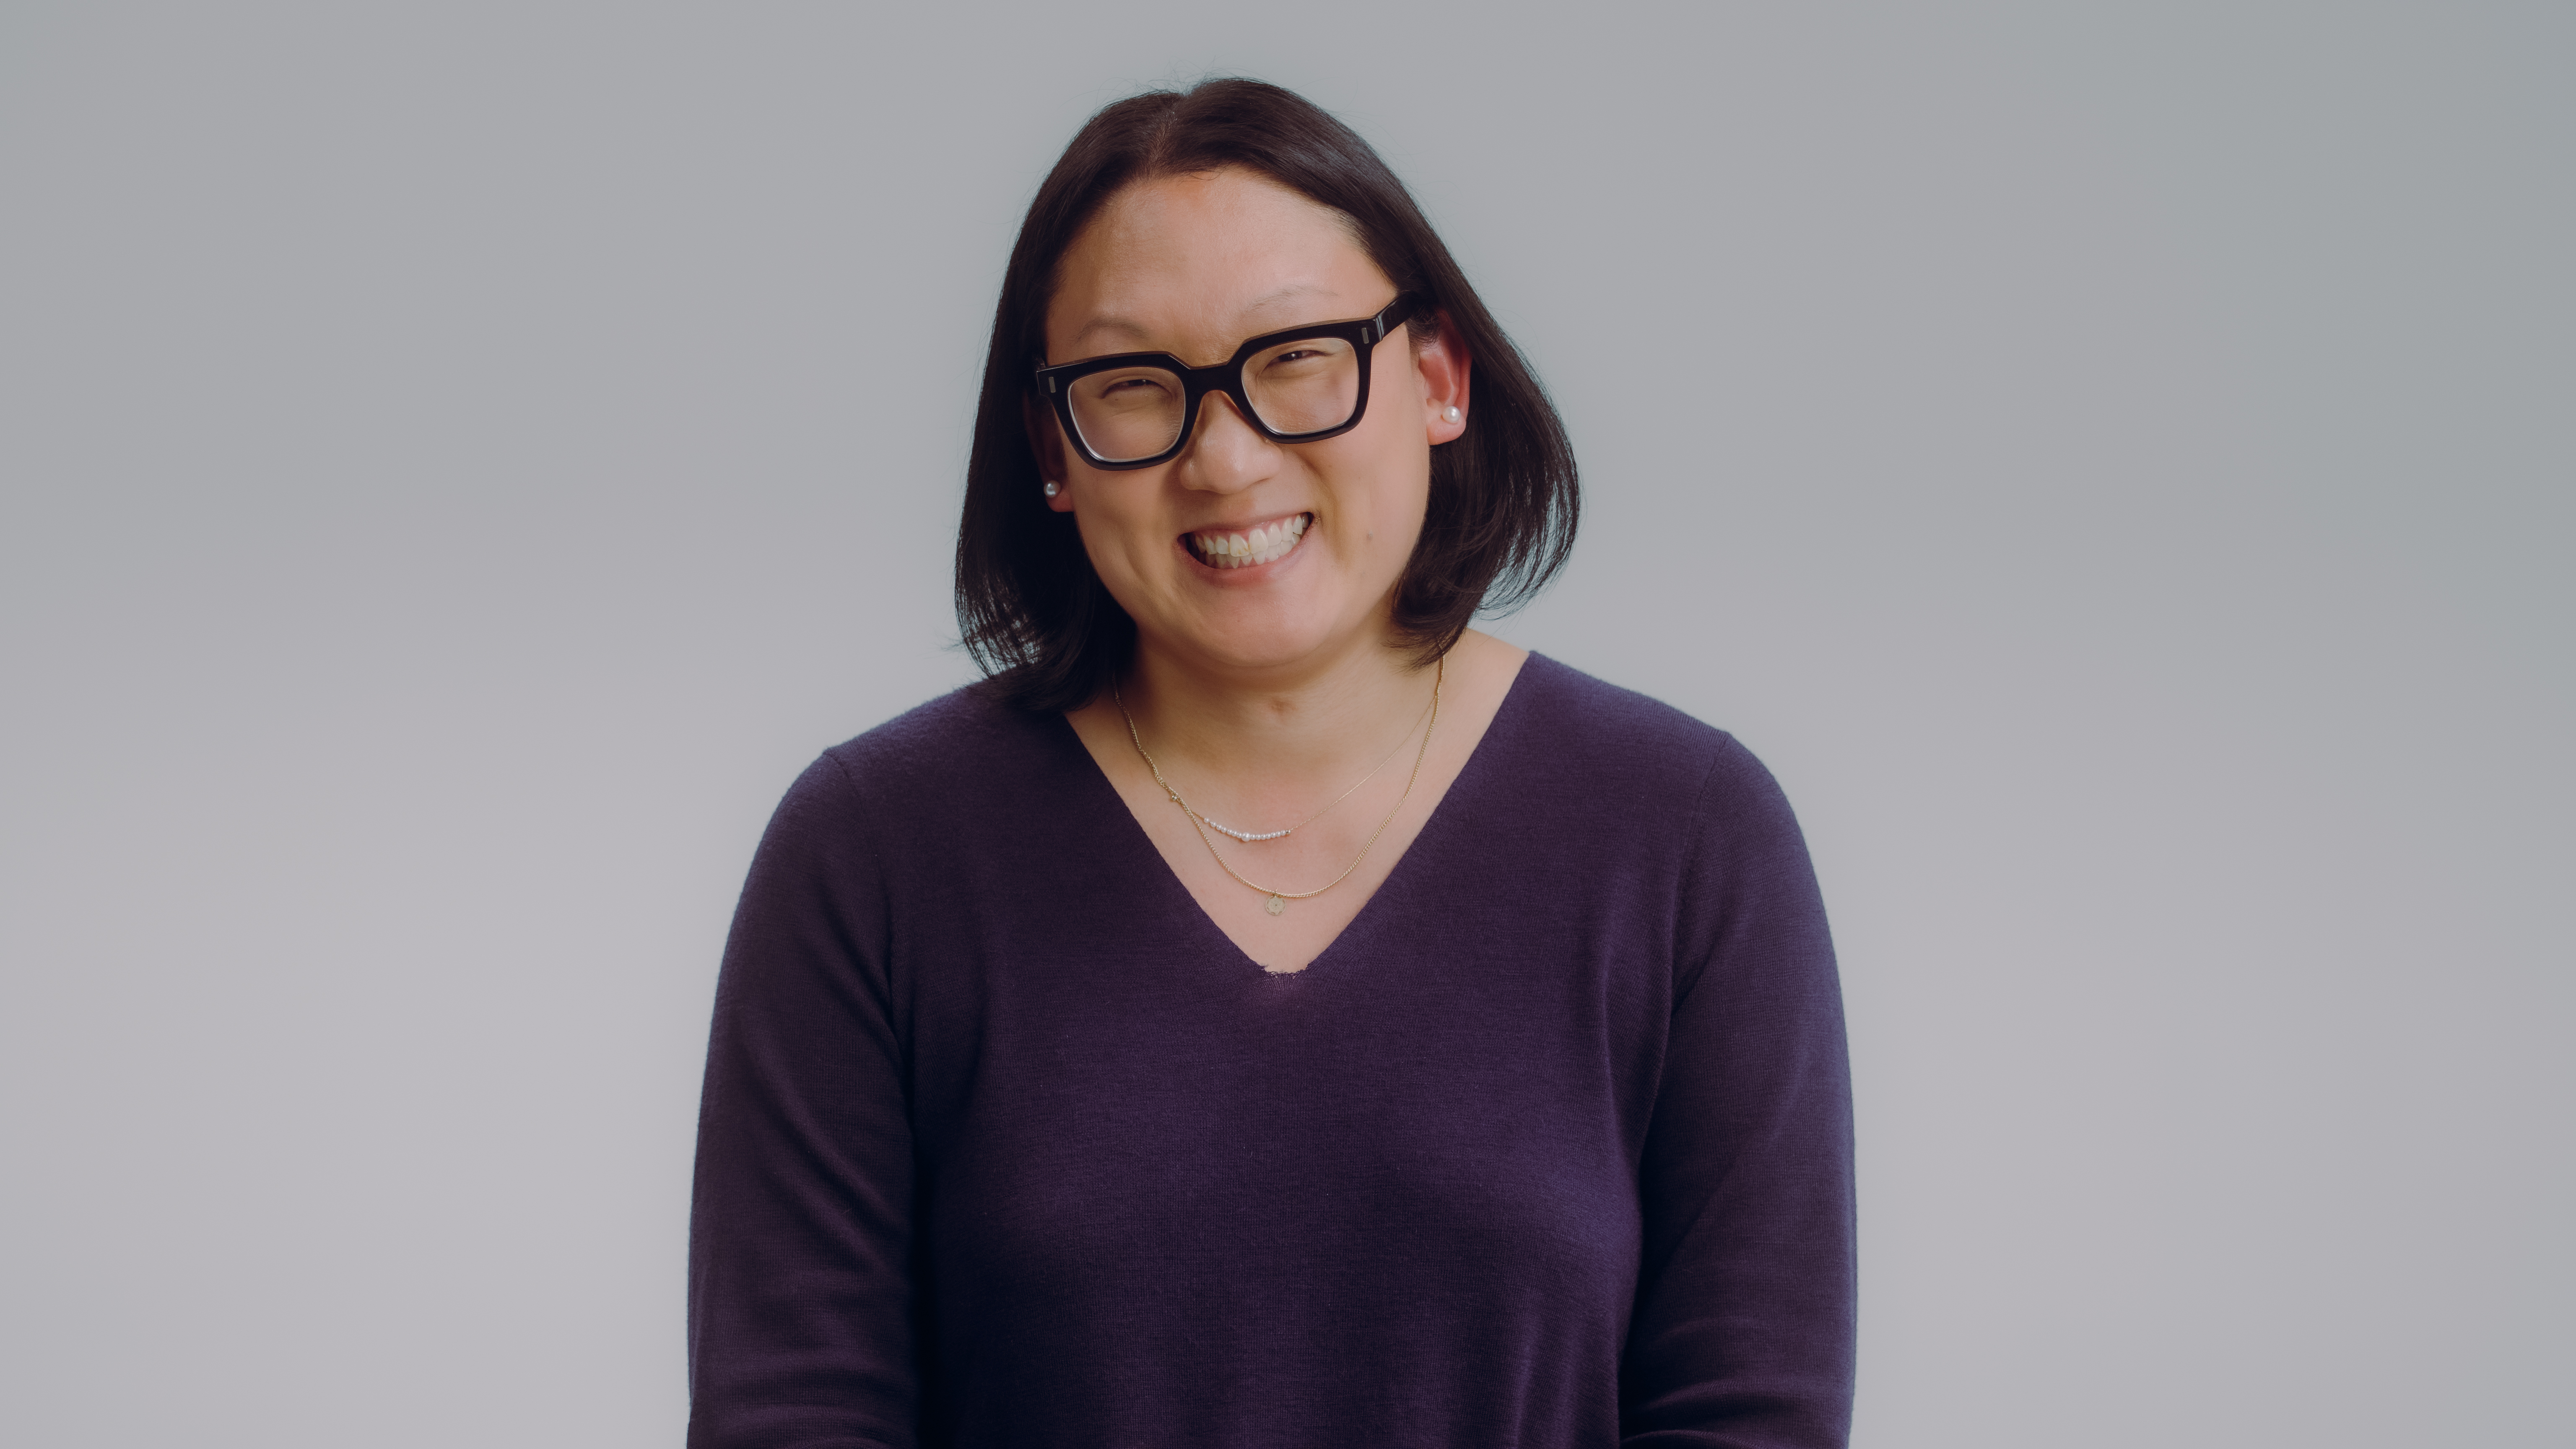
(800,1284)
(1743,1330)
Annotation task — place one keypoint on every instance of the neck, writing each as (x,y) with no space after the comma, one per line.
(1283,731)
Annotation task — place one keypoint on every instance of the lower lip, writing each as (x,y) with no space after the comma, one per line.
(1246,573)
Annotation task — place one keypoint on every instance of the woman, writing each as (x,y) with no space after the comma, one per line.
(1267,1011)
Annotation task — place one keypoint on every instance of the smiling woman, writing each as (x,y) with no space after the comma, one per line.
(1497,1098)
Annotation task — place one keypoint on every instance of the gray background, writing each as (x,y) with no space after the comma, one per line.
(2114,463)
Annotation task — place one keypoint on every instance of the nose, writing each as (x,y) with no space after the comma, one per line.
(1225,455)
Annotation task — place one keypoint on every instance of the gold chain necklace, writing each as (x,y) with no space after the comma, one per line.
(1279,899)
(1249,837)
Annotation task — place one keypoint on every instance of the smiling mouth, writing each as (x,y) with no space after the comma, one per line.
(1242,548)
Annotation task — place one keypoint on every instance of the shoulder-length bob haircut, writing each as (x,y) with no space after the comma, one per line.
(1503,498)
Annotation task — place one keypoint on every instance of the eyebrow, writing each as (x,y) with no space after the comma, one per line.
(1129,328)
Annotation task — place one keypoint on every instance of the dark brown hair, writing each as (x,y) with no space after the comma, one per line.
(1501,514)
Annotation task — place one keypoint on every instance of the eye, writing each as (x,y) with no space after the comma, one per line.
(1139,387)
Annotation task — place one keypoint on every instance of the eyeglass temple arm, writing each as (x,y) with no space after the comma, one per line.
(1394,315)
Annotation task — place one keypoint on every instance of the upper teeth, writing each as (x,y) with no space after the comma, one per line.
(1256,546)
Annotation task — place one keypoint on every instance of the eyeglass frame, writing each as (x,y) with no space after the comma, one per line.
(1364,333)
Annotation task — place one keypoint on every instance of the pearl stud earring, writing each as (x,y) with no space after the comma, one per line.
(1449,414)
(1052,490)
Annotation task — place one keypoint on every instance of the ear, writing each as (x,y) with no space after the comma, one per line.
(1046,440)
(1443,365)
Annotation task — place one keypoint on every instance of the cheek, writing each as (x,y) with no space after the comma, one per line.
(1377,531)
(1392,504)
(1122,530)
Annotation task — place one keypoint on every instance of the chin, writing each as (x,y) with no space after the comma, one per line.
(1274,634)
(1261,650)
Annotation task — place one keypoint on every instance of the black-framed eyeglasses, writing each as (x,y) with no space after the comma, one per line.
(1299,385)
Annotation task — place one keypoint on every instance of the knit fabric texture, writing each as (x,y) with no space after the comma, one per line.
(1005,1145)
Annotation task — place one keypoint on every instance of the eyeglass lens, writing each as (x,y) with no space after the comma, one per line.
(1309,385)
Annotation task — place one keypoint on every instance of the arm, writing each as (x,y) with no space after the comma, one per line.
(1743,1330)
(800,1291)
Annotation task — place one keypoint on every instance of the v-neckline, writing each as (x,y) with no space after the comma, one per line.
(1139,839)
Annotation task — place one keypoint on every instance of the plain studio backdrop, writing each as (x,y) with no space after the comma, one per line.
(2114,463)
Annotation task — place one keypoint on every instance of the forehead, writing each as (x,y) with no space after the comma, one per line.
(1194,264)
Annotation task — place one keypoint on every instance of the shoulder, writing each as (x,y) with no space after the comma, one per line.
(1568,725)
(952,757)
(1636,785)
(963,733)
(1650,791)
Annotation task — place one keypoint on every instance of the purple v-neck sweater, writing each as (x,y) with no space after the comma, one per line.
(1005,1144)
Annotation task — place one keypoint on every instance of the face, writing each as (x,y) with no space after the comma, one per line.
(1192,266)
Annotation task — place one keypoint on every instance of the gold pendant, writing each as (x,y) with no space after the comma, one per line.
(1275,905)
